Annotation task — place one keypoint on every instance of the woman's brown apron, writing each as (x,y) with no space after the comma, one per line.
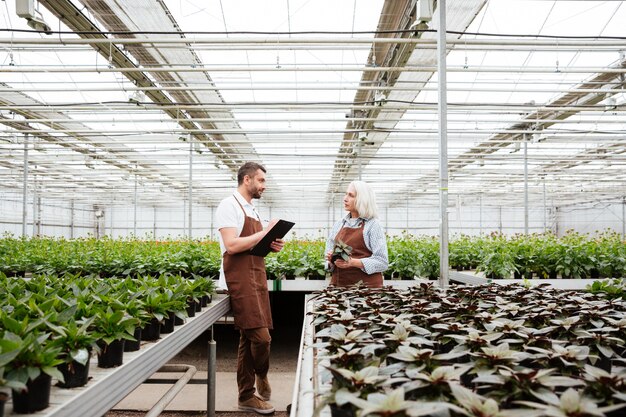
(247,283)
(350,276)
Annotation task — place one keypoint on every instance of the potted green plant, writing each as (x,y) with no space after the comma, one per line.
(113,328)
(341,250)
(76,341)
(6,384)
(33,368)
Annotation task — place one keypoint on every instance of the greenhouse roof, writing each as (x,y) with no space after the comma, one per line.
(124,94)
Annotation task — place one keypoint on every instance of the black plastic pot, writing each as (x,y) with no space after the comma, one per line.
(204,300)
(111,355)
(191,309)
(36,397)
(168,324)
(74,373)
(133,345)
(198,306)
(343,411)
(178,321)
(3,399)
(151,331)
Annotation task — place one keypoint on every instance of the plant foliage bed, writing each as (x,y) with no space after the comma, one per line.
(50,326)
(497,256)
(469,351)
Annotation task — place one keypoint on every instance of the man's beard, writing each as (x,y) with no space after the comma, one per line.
(256,194)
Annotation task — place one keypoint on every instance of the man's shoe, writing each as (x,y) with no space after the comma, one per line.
(263,388)
(257,405)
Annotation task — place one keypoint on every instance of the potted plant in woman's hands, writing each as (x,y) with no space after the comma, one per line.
(33,367)
(341,250)
(112,329)
(76,342)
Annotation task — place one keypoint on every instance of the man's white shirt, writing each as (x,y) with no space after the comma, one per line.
(229,214)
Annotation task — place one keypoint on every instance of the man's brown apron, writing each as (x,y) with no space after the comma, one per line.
(350,276)
(247,283)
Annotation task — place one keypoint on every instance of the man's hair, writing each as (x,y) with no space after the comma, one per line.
(365,203)
(249,169)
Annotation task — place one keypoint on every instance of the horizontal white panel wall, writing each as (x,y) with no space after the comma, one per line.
(45,217)
(54,218)
(592,217)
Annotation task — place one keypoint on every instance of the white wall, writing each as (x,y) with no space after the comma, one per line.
(592,217)
(52,217)
(311,222)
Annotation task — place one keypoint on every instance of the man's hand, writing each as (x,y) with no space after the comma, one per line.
(329,256)
(277,245)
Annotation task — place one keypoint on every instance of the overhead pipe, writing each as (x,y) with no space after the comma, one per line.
(488,108)
(18,69)
(196,40)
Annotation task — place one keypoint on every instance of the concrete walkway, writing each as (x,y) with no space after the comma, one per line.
(193,396)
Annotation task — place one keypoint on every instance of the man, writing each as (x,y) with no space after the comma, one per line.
(240,229)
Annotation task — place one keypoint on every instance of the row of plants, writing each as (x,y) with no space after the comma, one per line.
(50,326)
(108,257)
(497,256)
(478,351)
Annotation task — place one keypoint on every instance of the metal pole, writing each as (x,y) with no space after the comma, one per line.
(154,211)
(525,184)
(190,186)
(34,205)
(24,184)
(38,215)
(359,156)
(545,210)
(443,145)
(72,219)
(210,378)
(480,214)
(624,218)
(211,229)
(135,206)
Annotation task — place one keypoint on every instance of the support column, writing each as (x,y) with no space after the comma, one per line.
(72,219)
(38,219)
(34,205)
(525,184)
(135,206)
(154,214)
(211,230)
(359,142)
(25,187)
(624,219)
(545,210)
(443,145)
(480,215)
(210,377)
(190,186)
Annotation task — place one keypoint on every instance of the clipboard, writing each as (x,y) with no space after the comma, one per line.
(278,231)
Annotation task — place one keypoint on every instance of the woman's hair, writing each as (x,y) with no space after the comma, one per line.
(365,200)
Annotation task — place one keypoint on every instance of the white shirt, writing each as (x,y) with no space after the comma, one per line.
(229,214)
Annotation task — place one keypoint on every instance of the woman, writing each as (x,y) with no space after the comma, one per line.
(361,230)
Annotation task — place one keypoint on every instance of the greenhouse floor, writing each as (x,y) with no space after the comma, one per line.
(191,401)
